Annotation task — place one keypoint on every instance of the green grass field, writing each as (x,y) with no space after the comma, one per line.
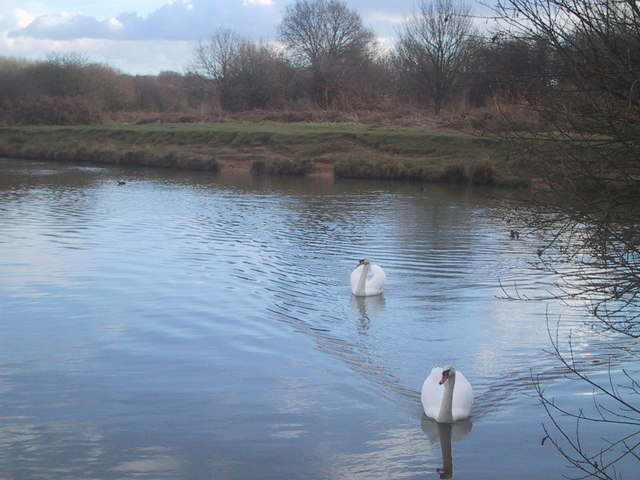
(342,149)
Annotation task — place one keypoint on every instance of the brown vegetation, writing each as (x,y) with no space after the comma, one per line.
(341,77)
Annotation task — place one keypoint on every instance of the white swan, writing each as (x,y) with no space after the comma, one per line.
(367,279)
(446,395)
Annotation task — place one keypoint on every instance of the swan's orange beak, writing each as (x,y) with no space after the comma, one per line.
(445,376)
(361,262)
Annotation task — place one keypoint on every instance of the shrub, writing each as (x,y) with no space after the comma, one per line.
(59,111)
(481,174)
(453,174)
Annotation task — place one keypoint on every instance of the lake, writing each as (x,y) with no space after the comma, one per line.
(192,325)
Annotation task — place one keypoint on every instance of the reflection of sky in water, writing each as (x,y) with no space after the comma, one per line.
(186,325)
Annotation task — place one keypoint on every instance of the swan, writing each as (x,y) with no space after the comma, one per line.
(367,279)
(446,395)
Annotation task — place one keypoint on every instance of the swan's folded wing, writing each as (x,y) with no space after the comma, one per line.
(376,279)
(432,392)
(462,398)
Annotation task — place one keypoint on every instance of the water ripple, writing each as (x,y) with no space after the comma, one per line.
(193,303)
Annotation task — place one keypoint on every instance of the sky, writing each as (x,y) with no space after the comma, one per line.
(150,36)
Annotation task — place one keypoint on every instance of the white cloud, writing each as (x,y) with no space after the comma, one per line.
(176,20)
(384,17)
(114,24)
(22,17)
(65,26)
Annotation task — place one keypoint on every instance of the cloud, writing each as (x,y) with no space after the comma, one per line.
(180,20)
(62,27)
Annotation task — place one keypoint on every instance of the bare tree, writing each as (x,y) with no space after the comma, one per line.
(589,162)
(433,47)
(243,74)
(258,78)
(510,69)
(214,60)
(614,404)
(63,75)
(591,148)
(330,40)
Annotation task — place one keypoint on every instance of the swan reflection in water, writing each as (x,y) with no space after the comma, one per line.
(445,434)
(365,305)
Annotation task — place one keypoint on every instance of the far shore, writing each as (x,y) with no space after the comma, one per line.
(352,150)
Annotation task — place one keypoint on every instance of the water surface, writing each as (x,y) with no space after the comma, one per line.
(199,325)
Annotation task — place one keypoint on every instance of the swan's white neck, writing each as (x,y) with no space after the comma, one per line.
(360,289)
(445,415)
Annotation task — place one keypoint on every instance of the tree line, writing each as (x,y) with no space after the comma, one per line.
(325,58)
(70,89)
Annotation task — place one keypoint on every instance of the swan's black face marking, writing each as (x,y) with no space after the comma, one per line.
(445,376)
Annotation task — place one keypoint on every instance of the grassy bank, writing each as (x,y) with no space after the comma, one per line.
(341,149)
